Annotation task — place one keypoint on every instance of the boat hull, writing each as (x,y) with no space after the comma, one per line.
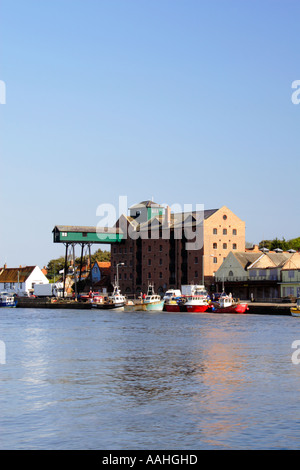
(133,307)
(196,308)
(172,308)
(238,308)
(8,304)
(153,306)
(295,312)
(108,306)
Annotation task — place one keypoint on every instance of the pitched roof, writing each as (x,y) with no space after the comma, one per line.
(145,204)
(82,229)
(246,258)
(177,219)
(293,262)
(271,260)
(16,274)
(103,264)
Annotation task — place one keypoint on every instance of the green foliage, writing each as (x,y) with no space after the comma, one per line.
(56,265)
(99,255)
(293,244)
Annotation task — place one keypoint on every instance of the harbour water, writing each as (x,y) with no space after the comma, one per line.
(84,379)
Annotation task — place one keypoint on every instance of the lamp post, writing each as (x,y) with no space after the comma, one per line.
(119,264)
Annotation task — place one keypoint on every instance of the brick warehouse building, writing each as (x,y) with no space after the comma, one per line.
(156,248)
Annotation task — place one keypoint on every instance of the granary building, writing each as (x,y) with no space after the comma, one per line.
(169,249)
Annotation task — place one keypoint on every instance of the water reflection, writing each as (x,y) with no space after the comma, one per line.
(147,381)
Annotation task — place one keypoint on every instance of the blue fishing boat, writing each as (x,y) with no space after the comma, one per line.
(7,300)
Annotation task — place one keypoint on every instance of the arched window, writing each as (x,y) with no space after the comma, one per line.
(230,274)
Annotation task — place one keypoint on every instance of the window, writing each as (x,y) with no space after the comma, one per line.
(149,275)
(291,273)
(215,246)
(160,275)
(215,260)
(215,231)
(64,234)
(230,274)
(196,259)
(225,217)
(130,275)
(149,262)
(224,246)
(160,261)
(224,231)
(149,248)
(84,234)
(196,274)
(125,275)
(160,247)
(234,232)
(234,246)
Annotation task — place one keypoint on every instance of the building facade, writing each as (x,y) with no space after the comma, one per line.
(260,275)
(21,280)
(290,277)
(172,249)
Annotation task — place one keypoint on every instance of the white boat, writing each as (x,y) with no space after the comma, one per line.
(152,300)
(7,300)
(114,301)
(172,293)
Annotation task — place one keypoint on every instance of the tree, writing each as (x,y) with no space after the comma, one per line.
(54,266)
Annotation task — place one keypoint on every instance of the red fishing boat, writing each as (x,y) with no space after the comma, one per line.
(172,306)
(198,301)
(227,304)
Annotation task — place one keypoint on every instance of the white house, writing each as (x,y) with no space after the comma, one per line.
(21,280)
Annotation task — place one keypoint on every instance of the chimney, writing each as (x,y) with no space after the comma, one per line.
(5,266)
(168,216)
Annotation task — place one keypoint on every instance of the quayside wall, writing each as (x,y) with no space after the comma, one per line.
(254,307)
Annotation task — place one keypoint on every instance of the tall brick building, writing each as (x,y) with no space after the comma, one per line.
(172,249)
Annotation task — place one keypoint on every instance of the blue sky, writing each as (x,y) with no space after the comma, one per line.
(185,101)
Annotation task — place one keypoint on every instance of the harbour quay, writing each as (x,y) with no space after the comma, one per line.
(255,308)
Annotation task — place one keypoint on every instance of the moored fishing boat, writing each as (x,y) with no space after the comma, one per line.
(7,300)
(227,304)
(295,311)
(198,301)
(175,304)
(152,300)
(114,301)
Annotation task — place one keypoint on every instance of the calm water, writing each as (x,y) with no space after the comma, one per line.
(115,380)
